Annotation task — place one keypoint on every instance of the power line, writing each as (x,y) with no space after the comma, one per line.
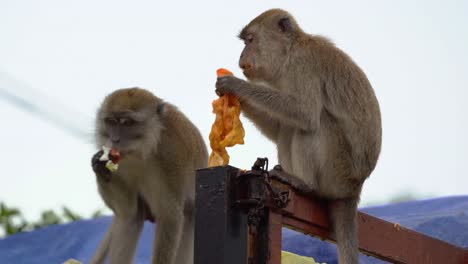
(38,104)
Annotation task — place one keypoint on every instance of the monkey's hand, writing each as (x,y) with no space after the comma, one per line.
(229,84)
(99,167)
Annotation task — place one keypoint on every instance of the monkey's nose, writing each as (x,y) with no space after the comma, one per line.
(115,140)
(245,66)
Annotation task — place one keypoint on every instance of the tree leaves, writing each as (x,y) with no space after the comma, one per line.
(12,220)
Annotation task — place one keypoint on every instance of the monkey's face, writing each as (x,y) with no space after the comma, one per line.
(132,133)
(267,44)
(130,121)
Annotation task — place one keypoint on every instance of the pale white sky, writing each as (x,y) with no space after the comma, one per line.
(65,56)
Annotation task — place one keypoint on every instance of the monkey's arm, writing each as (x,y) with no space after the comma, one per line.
(170,219)
(101,253)
(168,237)
(262,120)
(120,241)
(299,110)
(125,233)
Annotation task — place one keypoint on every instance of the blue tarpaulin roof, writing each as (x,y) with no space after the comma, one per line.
(442,218)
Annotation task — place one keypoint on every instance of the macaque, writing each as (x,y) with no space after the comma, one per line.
(318,107)
(160,150)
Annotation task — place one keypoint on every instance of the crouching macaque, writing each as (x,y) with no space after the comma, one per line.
(160,149)
(317,105)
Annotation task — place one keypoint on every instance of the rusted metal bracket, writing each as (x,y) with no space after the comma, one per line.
(257,191)
(259,196)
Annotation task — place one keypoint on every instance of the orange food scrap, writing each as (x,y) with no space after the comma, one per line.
(221,72)
(227,130)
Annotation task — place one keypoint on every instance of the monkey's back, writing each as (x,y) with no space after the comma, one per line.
(181,144)
(344,150)
(351,110)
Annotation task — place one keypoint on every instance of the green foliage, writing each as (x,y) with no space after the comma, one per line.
(8,217)
(12,220)
(403,197)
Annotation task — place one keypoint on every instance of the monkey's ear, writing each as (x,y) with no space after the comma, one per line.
(285,24)
(160,108)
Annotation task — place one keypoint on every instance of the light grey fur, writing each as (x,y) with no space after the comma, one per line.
(318,107)
(160,169)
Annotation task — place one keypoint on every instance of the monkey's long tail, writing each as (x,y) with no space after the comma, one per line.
(343,216)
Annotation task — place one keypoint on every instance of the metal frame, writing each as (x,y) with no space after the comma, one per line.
(240,215)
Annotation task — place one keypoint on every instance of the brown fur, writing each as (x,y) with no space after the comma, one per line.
(317,105)
(161,150)
(133,99)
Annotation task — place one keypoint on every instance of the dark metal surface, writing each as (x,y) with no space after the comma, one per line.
(240,214)
(220,227)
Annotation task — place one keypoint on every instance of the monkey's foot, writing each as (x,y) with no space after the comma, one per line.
(277,173)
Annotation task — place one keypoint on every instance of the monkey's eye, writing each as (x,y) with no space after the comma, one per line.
(248,39)
(111,121)
(127,122)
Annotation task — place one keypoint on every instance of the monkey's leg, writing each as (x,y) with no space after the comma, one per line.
(127,223)
(185,251)
(168,235)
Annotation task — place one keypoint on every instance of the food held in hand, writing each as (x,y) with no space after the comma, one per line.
(112,156)
(227,130)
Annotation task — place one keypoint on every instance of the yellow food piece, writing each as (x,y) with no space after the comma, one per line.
(227,130)
(290,258)
(72,261)
(111,166)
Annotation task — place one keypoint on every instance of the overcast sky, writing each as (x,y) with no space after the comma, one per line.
(63,57)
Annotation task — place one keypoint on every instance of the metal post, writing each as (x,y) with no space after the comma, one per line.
(220,227)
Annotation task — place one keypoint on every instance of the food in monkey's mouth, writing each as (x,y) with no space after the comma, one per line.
(112,156)
(227,130)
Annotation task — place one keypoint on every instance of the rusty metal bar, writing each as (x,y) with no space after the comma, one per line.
(394,243)
(274,228)
(377,237)
(239,216)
